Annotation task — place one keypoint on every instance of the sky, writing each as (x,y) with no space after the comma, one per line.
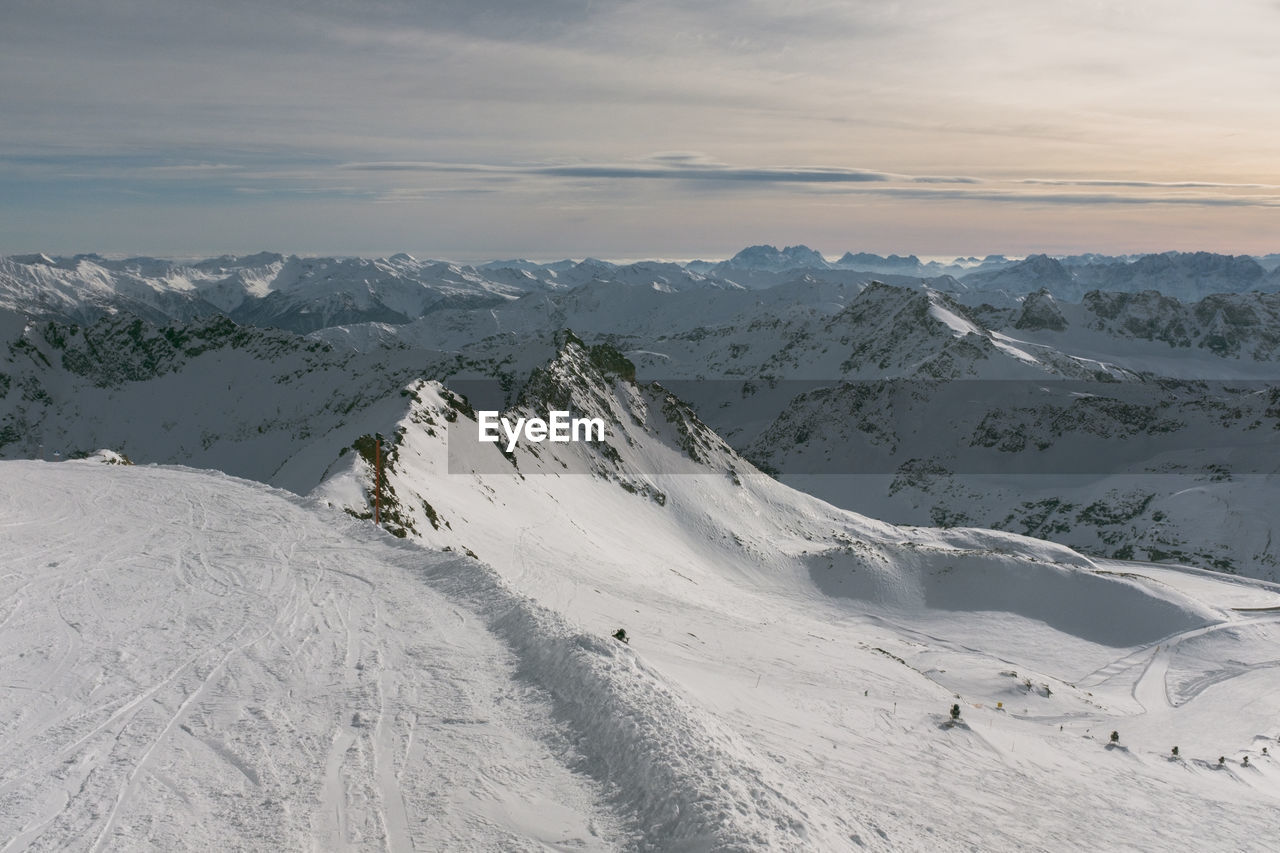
(480,129)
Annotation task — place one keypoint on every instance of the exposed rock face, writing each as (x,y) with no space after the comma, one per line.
(1040,311)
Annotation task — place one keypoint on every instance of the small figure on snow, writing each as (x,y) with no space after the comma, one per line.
(621,635)
(1115,737)
(955,712)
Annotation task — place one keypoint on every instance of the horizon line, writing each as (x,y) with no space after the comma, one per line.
(711,258)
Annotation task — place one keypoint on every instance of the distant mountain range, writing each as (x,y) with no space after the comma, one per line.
(805,370)
(307,294)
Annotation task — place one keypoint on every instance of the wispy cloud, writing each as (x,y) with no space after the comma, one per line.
(669,167)
(697,168)
(279,175)
(1079,182)
(1081,199)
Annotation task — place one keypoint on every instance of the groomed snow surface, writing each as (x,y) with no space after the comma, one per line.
(191,661)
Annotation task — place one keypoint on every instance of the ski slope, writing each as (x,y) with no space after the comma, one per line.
(191,662)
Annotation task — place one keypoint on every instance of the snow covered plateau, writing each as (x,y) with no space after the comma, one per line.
(892,555)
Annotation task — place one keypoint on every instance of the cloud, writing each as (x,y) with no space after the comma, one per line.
(1077,182)
(1080,199)
(783,174)
(687,157)
(682,166)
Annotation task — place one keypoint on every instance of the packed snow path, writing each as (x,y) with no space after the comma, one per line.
(189,662)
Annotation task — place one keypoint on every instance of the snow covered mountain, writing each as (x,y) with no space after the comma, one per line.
(299,294)
(755,264)
(771,258)
(1187,276)
(199,661)
(793,376)
(883,381)
(1127,424)
(209,393)
(1132,425)
(307,294)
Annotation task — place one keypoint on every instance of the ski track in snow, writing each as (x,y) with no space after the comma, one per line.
(190,663)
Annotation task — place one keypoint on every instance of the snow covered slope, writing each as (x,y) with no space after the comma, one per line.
(836,644)
(196,662)
(193,662)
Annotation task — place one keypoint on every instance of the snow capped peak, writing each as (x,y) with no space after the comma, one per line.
(766,257)
(1185,275)
(1034,272)
(232,262)
(876,263)
(1040,311)
(38,259)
